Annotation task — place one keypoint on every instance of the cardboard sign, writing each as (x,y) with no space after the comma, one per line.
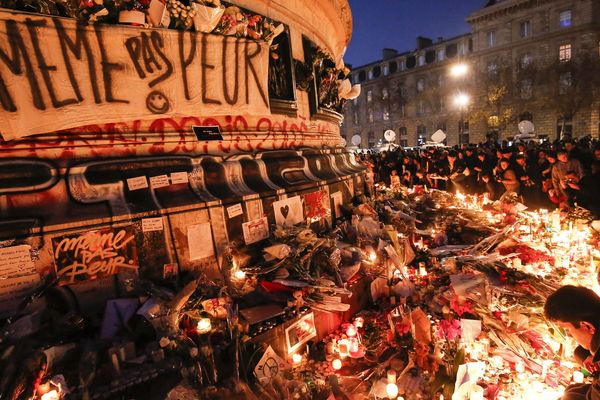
(255,231)
(92,255)
(110,79)
(300,332)
(269,366)
(288,211)
(207,132)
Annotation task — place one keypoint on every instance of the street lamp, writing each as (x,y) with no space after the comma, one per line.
(459,70)
(461,100)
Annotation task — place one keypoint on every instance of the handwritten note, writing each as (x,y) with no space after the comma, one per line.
(255,231)
(179,177)
(152,224)
(235,210)
(159,181)
(16,261)
(137,183)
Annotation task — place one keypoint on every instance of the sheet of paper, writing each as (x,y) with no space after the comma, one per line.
(235,210)
(152,224)
(200,241)
(269,366)
(137,183)
(470,329)
(179,177)
(288,211)
(16,261)
(255,231)
(159,181)
(337,203)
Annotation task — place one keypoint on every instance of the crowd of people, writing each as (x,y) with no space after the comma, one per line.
(562,174)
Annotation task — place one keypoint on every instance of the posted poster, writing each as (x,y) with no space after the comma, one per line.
(200,241)
(255,231)
(317,205)
(288,211)
(300,332)
(18,276)
(92,255)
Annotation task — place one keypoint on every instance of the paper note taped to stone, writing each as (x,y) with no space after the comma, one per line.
(200,241)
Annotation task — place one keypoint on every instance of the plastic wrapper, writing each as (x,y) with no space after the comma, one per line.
(207,18)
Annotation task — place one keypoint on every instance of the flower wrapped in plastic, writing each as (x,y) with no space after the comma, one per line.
(208,14)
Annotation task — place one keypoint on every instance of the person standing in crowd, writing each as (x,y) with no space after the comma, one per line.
(584,192)
(576,309)
(508,177)
(560,169)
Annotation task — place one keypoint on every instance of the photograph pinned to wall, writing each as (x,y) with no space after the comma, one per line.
(300,332)
(317,205)
(255,231)
(288,211)
(200,241)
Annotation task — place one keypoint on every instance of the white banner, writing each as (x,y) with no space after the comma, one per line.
(55,74)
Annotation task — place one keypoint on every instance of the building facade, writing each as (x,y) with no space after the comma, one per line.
(415,93)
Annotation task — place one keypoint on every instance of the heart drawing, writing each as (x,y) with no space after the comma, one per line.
(285,211)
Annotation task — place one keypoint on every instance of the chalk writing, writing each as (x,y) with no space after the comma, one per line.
(93,255)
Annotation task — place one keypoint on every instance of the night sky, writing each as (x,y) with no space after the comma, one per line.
(397,23)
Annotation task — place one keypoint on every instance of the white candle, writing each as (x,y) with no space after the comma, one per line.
(204,325)
(296,358)
(578,377)
(391,376)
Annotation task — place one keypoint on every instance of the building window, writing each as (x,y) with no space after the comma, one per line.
(386,113)
(493,121)
(440,80)
(564,128)
(371,139)
(526,116)
(420,84)
(492,68)
(442,126)
(356,120)
(384,93)
(370,74)
(440,54)
(370,115)
(377,72)
(491,39)
(355,101)
(362,76)
(564,19)
(402,65)
(526,60)
(403,136)
(369,96)
(421,60)
(393,66)
(411,62)
(565,81)
(430,56)
(525,29)
(386,70)
(526,88)
(421,108)
(462,49)
(451,50)
(421,135)
(564,52)
(463,132)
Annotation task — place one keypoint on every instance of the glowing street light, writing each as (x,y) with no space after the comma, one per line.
(461,100)
(458,70)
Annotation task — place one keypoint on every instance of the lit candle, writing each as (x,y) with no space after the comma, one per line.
(336,364)
(343,345)
(204,325)
(239,275)
(351,331)
(391,390)
(578,377)
(296,358)
(391,376)
(51,395)
(476,393)
(519,367)
(372,256)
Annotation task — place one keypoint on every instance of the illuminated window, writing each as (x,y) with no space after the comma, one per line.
(526,88)
(564,52)
(565,81)
(369,96)
(386,113)
(421,134)
(384,93)
(370,115)
(420,84)
(564,19)
(526,60)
